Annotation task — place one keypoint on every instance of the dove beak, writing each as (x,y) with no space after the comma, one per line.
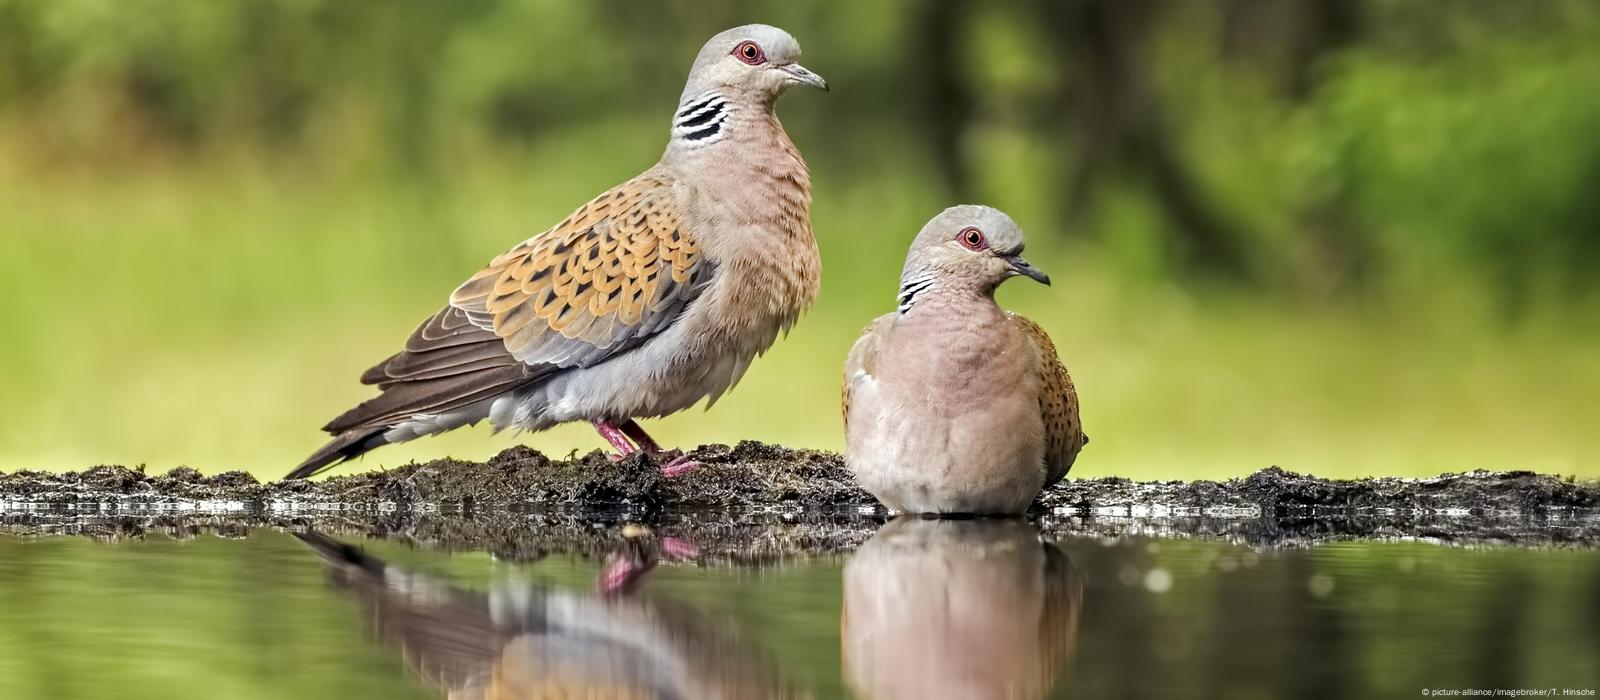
(799,74)
(1026,269)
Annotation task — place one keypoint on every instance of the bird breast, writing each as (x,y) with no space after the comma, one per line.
(751,212)
(956,359)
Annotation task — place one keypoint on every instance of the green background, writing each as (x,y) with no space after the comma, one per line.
(1342,237)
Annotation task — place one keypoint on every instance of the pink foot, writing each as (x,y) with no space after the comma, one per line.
(678,466)
(628,438)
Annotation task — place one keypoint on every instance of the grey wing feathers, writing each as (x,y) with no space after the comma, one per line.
(447,364)
(862,361)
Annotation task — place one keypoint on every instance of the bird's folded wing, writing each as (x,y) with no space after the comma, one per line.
(618,270)
(1058,403)
(862,363)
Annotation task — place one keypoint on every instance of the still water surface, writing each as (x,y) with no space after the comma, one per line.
(966,609)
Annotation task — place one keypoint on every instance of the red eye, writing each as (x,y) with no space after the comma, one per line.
(972,238)
(750,53)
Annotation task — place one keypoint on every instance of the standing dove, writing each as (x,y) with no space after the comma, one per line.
(654,295)
(952,404)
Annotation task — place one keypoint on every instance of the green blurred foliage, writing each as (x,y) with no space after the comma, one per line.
(1345,237)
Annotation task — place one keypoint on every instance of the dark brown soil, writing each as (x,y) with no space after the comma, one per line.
(754,503)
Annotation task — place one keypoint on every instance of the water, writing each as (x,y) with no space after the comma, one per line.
(923,609)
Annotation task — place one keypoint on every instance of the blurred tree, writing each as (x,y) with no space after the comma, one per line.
(1293,39)
(1118,126)
(1322,146)
(941,101)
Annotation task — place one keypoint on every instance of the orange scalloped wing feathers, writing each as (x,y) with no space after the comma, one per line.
(1058,404)
(615,272)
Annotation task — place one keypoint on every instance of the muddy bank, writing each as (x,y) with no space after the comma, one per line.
(754,502)
(755,476)
(748,475)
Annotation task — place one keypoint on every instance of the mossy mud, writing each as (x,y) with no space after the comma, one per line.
(754,503)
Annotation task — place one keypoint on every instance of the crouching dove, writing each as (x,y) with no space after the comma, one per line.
(951,404)
(654,295)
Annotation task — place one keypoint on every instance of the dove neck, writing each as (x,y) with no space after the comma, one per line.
(707,118)
(932,290)
(748,173)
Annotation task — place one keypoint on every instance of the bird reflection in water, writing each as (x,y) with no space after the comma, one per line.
(958,609)
(525,640)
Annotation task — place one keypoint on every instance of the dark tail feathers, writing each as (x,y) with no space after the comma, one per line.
(345,446)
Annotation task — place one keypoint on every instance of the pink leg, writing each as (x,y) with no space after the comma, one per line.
(641,438)
(622,575)
(679,464)
(615,436)
(626,569)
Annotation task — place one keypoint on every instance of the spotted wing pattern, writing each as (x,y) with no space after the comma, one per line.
(616,271)
(1058,401)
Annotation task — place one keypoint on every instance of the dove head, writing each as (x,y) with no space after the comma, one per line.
(966,247)
(756,61)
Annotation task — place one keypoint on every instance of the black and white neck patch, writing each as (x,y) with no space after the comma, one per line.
(911,288)
(700,121)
